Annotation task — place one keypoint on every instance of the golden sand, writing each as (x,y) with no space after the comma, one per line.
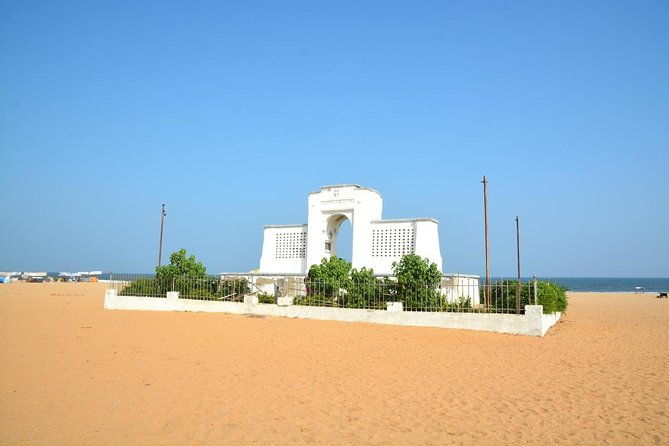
(73,373)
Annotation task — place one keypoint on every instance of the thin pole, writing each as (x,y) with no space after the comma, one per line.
(162,222)
(487,261)
(518,254)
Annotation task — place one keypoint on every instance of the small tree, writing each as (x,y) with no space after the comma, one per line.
(189,277)
(417,282)
(365,290)
(185,275)
(181,266)
(551,295)
(180,275)
(328,278)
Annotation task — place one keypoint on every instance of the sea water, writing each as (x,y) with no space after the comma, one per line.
(608,284)
(613,284)
(583,284)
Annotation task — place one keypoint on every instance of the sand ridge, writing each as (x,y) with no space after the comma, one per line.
(73,373)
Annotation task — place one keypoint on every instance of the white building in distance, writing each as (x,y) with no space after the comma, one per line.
(377,243)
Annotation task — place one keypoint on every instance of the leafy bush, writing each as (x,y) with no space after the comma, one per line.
(460,304)
(189,277)
(265,298)
(329,278)
(364,291)
(181,266)
(552,296)
(417,283)
(149,286)
(334,283)
(316,300)
(503,296)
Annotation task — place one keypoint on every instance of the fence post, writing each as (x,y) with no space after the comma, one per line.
(534,282)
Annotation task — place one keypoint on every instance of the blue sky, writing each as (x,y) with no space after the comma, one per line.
(231,112)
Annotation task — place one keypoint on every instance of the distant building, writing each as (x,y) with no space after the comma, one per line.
(35,276)
(377,243)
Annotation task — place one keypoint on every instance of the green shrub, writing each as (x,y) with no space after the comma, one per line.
(417,283)
(265,298)
(333,283)
(552,296)
(149,286)
(316,300)
(503,296)
(329,278)
(364,290)
(462,303)
(181,266)
(207,288)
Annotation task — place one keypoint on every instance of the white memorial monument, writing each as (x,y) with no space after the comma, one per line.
(377,243)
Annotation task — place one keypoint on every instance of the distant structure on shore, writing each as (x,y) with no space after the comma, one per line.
(377,243)
(17,276)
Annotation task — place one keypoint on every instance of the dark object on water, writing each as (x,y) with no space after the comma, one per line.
(662,296)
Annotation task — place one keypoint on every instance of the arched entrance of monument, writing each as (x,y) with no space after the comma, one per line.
(339,237)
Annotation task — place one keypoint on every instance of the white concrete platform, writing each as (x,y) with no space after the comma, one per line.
(532,323)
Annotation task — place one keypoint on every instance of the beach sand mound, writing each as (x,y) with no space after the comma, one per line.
(73,373)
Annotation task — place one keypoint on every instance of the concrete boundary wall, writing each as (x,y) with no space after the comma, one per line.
(532,323)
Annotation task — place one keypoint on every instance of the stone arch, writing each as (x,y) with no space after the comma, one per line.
(375,243)
(328,208)
(333,225)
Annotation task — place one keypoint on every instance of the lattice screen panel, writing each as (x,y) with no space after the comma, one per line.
(394,242)
(291,245)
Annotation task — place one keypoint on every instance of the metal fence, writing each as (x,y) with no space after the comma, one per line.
(500,297)
(196,288)
(445,296)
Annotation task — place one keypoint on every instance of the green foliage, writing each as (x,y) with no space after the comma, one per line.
(201,288)
(552,296)
(333,268)
(212,288)
(316,300)
(149,286)
(364,289)
(334,283)
(417,283)
(265,298)
(503,295)
(181,266)
(329,278)
(189,277)
(462,303)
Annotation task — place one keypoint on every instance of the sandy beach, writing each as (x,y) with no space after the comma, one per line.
(73,373)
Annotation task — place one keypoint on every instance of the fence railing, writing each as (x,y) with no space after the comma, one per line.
(197,288)
(437,297)
(449,295)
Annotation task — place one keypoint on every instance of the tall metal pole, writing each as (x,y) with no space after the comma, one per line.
(162,222)
(518,253)
(487,261)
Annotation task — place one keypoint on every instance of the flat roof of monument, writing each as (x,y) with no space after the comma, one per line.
(357,186)
(299,225)
(405,220)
